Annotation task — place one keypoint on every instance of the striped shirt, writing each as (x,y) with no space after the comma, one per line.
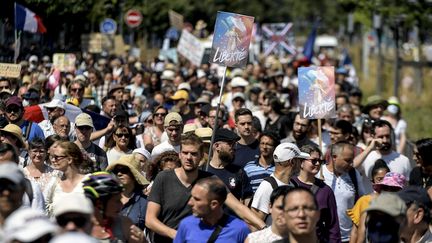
(257,173)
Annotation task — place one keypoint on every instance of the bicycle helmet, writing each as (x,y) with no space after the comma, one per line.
(101,185)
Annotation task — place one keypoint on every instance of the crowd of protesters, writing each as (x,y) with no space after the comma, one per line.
(146,174)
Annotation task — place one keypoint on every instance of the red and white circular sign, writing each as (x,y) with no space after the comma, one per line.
(133,18)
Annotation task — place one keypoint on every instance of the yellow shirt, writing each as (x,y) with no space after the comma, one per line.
(359,207)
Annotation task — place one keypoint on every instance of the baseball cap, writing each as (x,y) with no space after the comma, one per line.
(185,86)
(238,95)
(189,128)
(27,225)
(55,103)
(417,194)
(204,133)
(173,117)
(12,172)
(15,131)
(389,203)
(180,94)
(288,151)
(72,203)
(143,152)
(239,82)
(73,237)
(223,134)
(391,179)
(168,75)
(205,109)
(14,100)
(84,119)
(121,113)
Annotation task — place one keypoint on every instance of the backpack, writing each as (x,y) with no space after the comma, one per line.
(353,177)
(292,183)
(28,190)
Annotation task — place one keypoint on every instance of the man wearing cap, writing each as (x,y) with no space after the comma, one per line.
(117,91)
(15,115)
(55,109)
(381,147)
(173,125)
(385,214)
(181,104)
(247,147)
(345,182)
(287,158)
(83,129)
(238,85)
(76,91)
(416,226)
(221,165)
(73,213)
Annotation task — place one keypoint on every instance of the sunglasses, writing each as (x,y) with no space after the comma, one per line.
(160,114)
(79,220)
(57,158)
(123,170)
(84,127)
(317,161)
(149,121)
(76,90)
(14,109)
(126,135)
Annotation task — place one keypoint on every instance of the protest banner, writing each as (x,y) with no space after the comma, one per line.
(230,48)
(191,48)
(176,19)
(64,62)
(10,70)
(278,39)
(231,39)
(317,94)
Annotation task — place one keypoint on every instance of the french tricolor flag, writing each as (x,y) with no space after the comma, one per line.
(27,20)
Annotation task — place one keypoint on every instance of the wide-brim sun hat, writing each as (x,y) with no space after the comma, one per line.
(133,165)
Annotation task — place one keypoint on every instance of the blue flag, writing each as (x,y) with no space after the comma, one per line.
(308,49)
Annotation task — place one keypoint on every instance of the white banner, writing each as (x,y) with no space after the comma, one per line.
(191,48)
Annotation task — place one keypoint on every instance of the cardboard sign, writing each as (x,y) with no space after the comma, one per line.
(64,62)
(316,92)
(91,43)
(176,19)
(10,70)
(191,48)
(232,36)
(278,39)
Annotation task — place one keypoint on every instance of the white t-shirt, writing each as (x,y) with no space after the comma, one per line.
(38,201)
(113,155)
(263,236)
(344,191)
(261,197)
(163,147)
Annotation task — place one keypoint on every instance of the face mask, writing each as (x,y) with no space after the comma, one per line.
(25,103)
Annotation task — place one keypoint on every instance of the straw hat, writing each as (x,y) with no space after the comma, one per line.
(133,165)
(16,132)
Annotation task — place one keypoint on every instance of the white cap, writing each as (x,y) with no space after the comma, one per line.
(55,103)
(72,203)
(144,152)
(168,75)
(288,151)
(238,95)
(393,109)
(74,237)
(239,82)
(185,86)
(27,224)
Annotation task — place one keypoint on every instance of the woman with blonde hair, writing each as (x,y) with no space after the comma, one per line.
(152,135)
(67,158)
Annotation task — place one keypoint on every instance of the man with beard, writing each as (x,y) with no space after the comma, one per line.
(287,158)
(381,147)
(62,127)
(171,191)
(299,132)
(207,199)
(15,115)
(83,128)
(55,109)
(263,166)
(221,165)
(247,148)
(173,125)
(109,106)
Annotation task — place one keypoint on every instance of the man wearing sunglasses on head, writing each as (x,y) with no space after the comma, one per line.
(76,90)
(15,115)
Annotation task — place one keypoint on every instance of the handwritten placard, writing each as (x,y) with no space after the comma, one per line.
(64,61)
(232,36)
(316,92)
(10,70)
(191,48)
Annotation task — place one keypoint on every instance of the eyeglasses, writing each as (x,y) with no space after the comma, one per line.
(149,121)
(126,135)
(292,212)
(79,220)
(123,170)
(77,90)
(14,109)
(160,114)
(317,161)
(57,158)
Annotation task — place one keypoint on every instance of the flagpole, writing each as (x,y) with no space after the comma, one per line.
(16,34)
(215,127)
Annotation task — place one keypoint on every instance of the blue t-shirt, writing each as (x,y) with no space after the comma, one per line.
(192,229)
(257,173)
(35,131)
